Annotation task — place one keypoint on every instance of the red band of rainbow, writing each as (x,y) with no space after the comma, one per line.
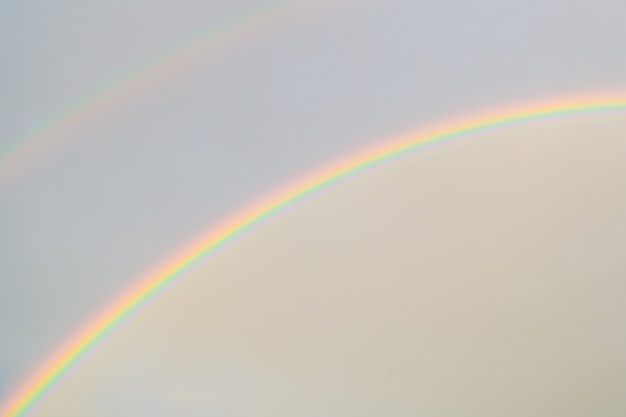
(38,384)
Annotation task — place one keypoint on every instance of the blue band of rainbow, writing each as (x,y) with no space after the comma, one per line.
(200,250)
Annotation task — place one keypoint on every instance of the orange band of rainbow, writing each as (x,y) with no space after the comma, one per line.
(29,394)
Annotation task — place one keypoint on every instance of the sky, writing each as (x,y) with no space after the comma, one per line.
(122,186)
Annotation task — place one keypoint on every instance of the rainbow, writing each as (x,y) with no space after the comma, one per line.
(30,146)
(208,244)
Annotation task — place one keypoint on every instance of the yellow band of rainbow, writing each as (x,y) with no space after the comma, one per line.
(39,383)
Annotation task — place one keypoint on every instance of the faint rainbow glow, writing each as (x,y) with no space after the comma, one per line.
(56,366)
(22,152)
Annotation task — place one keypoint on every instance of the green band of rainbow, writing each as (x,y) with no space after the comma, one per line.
(207,245)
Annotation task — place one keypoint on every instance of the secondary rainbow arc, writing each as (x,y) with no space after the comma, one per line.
(33,143)
(38,384)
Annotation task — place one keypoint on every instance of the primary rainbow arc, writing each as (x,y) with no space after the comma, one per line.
(199,251)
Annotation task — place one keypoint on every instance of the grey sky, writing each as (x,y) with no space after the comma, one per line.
(484,279)
(154,169)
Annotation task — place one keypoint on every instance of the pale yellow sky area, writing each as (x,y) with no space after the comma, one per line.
(480,278)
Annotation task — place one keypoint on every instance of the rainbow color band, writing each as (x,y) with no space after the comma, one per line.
(208,244)
(24,150)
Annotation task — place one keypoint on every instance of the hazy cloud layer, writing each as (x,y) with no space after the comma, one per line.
(127,185)
(483,278)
